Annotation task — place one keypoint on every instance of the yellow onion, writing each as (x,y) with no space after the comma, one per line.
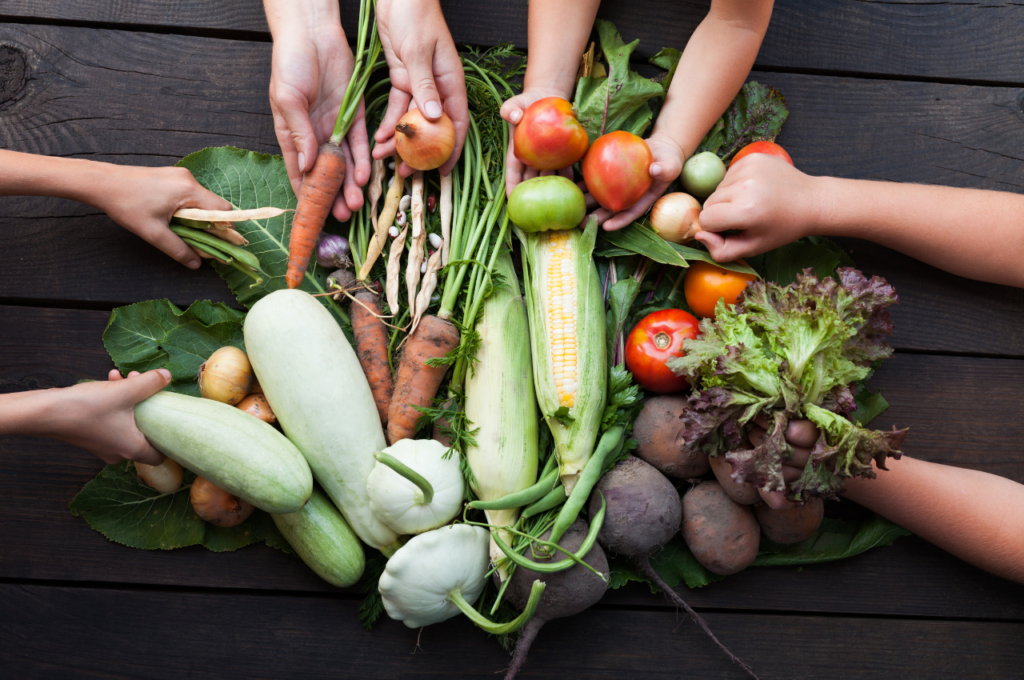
(165,477)
(217,506)
(257,405)
(676,217)
(423,144)
(226,376)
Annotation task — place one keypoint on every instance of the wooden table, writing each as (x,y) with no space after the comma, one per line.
(896,91)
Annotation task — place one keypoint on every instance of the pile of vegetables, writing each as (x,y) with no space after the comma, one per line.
(462,379)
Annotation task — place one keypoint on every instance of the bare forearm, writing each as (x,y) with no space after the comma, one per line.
(26,174)
(284,15)
(969,232)
(974,515)
(558,33)
(714,65)
(28,413)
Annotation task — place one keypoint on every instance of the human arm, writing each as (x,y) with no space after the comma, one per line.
(558,31)
(96,416)
(424,67)
(715,63)
(968,232)
(311,67)
(142,200)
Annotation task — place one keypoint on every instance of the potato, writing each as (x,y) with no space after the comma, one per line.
(659,435)
(792,524)
(741,493)
(722,534)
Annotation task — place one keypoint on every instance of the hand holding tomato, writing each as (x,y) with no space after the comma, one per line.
(666,164)
(767,200)
(656,339)
(512,111)
(706,284)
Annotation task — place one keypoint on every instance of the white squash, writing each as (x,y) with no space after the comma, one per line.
(423,491)
(313,381)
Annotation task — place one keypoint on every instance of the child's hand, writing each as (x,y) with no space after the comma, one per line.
(426,73)
(666,166)
(769,201)
(99,416)
(512,111)
(310,72)
(801,435)
(142,200)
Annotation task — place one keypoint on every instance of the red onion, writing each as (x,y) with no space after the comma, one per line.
(332,252)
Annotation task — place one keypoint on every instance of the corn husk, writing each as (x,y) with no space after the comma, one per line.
(499,401)
(575,430)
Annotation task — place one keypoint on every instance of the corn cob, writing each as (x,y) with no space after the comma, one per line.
(567,337)
(500,402)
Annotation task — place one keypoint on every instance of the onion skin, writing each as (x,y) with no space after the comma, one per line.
(258,406)
(165,477)
(676,217)
(226,376)
(216,506)
(424,144)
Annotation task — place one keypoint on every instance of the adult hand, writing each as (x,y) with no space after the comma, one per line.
(512,111)
(666,165)
(310,72)
(142,200)
(801,435)
(767,200)
(100,416)
(426,73)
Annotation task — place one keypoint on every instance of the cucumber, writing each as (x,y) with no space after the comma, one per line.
(316,388)
(239,453)
(323,540)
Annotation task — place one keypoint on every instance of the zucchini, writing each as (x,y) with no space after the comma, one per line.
(323,540)
(239,453)
(316,388)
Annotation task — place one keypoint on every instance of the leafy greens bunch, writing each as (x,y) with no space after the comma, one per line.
(787,352)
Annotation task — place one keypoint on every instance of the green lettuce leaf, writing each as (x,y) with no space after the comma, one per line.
(157,334)
(127,511)
(756,114)
(617,101)
(251,180)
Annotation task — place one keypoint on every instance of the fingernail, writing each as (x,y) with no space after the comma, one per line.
(193,264)
(655,170)
(516,116)
(433,109)
(302,162)
(165,373)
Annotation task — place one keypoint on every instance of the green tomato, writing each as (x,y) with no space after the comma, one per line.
(546,203)
(702,174)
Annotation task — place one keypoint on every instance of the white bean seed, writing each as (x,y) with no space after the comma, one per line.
(393,232)
(435,241)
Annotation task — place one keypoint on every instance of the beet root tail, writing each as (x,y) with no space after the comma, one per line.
(526,639)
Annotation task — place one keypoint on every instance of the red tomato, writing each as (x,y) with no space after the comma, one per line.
(706,284)
(770,148)
(549,137)
(655,340)
(616,170)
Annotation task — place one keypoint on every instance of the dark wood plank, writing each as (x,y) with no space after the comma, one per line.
(42,540)
(119,96)
(102,633)
(962,41)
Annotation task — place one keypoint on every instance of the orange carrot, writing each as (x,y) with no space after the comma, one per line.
(320,186)
(372,349)
(416,383)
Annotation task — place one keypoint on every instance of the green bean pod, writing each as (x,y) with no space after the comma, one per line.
(520,498)
(240,254)
(608,444)
(553,499)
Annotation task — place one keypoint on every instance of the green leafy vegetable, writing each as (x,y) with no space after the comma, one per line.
(617,101)
(372,605)
(834,540)
(621,296)
(783,264)
(127,511)
(791,352)
(668,59)
(250,180)
(639,239)
(756,114)
(157,334)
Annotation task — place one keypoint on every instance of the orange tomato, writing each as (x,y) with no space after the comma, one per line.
(770,148)
(706,284)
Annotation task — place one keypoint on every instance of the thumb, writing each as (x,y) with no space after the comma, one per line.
(726,249)
(424,90)
(204,199)
(145,385)
(513,109)
(295,112)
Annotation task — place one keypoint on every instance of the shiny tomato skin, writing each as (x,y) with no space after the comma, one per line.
(705,284)
(656,339)
(548,137)
(770,148)
(616,170)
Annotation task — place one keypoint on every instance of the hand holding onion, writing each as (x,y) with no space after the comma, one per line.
(424,144)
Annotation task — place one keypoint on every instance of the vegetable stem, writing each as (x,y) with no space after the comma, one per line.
(405,471)
(456,598)
(520,498)
(366,61)
(588,478)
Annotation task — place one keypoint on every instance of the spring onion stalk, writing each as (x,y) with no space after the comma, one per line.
(366,61)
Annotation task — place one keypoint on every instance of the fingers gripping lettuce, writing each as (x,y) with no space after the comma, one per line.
(791,352)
